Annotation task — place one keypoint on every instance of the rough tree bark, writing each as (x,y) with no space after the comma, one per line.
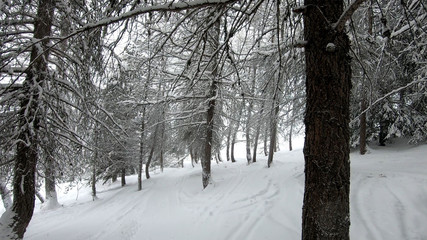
(212,68)
(326,151)
(29,125)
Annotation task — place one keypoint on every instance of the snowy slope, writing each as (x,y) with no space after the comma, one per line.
(388,201)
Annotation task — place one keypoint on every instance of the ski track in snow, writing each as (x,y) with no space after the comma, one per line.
(251,202)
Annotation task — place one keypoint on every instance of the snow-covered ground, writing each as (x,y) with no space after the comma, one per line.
(388,201)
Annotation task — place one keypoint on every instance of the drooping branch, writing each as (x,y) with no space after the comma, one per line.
(385,96)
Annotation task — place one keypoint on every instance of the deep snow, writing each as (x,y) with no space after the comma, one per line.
(388,201)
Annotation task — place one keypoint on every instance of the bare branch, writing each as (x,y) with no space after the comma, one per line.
(348,12)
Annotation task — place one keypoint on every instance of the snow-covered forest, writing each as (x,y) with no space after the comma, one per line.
(101,95)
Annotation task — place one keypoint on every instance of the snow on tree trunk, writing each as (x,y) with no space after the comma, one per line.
(5,196)
(14,222)
(212,41)
(326,212)
(51,196)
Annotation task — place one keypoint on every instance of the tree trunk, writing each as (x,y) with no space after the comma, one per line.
(235,130)
(93,182)
(257,134)
(40,197)
(290,135)
(123,176)
(51,196)
(248,121)
(273,133)
(29,119)
(266,140)
(364,102)
(228,143)
(233,142)
(326,151)
(212,45)
(362,137)
(141,150)
(94,163)
(147,164)
(5,196)
(192,156)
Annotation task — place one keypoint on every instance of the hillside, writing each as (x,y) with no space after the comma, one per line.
(388,201)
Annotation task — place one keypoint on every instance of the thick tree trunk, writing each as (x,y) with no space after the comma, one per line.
(212,45)
(326,212)
(29,119)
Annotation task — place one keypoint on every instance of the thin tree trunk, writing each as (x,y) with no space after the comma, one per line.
(192,156)
(51,196)
(123,176)
(235,130)
(150,156)
(218,156)
(362,137)
(273,134)
(233,142)
(94,164)
(228,143)
(141,150)
(326,211)
(40,197)
(248,121)
(257,135)
(266,132)
(5,196)
(364,102)
(290,135)
(276,94)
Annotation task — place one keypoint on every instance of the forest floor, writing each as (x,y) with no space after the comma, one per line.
(388,201)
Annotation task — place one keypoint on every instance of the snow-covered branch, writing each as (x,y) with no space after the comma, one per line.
(168,7)
(348,12)
(385,96)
